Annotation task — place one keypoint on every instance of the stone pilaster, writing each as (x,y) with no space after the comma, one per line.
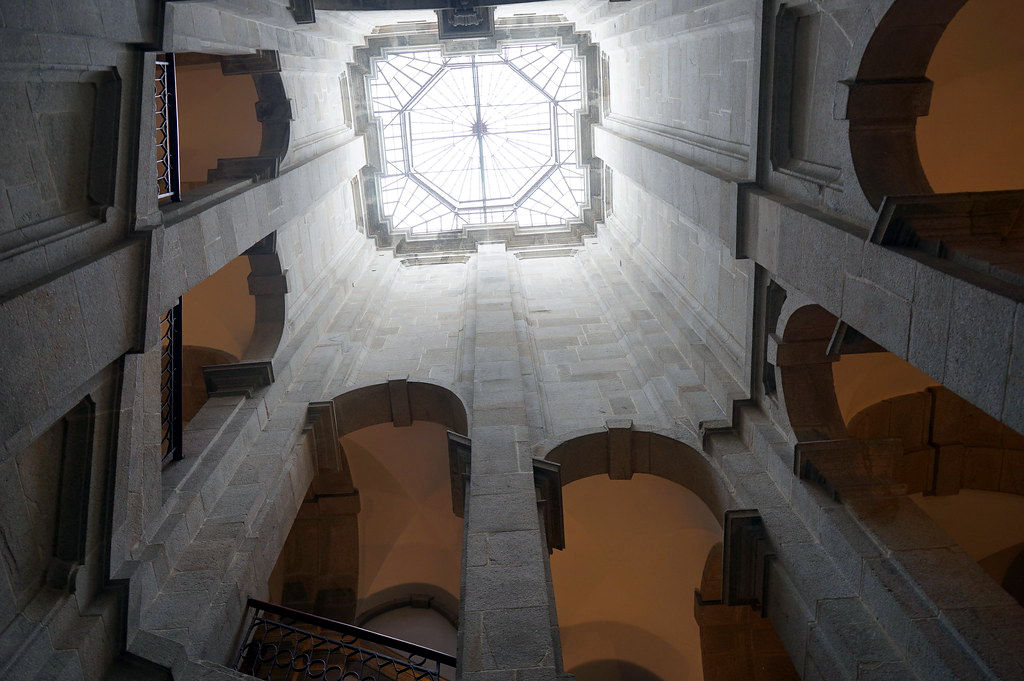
(506,626)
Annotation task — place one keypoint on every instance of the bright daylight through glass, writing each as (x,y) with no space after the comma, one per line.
(479,139)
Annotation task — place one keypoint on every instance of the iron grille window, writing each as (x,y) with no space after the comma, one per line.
(166,113)
(170,384)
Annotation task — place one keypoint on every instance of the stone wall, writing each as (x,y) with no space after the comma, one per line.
(694,273)
(658,325)
(56,609)
(691,70)
(67,144)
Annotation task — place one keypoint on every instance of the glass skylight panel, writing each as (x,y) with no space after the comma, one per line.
(479,139)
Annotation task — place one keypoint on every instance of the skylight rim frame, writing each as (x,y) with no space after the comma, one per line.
(552,105)
(583,169)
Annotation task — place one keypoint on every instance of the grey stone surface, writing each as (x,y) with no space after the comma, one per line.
(981,328)
(656,320)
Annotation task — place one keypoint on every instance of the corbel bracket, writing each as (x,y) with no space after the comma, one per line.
(459,459)
(241,378)
(323,422)
(547,481)
(746,557)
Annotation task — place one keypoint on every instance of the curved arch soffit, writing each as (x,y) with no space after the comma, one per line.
(377,404)
(644,452)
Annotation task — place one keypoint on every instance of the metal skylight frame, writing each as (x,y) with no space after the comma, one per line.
(480,138)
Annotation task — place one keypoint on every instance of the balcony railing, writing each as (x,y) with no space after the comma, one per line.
(284,644)
(170,384)
(166,111)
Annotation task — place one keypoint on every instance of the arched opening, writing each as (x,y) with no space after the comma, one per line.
(218,118)
(641,516)
(233,319)
(891,442)
(971,138)
(806,375)
(624,583)
(420,623)
(933,117)
(890,93)
(218,318)
(377,542)
(937,98)
(410,540)
(380,534)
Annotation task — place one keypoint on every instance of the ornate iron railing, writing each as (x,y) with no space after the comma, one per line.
(166,110)
(170,384)
(284,644)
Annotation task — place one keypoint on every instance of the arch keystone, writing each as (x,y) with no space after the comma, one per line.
(398,393)
(620,448)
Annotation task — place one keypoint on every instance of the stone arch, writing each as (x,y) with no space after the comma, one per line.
(422,613)
(861,478)
(326,579)
(948,444)
(268,284)
(621,452)
(400,402)
(673,489)
(414,595)
(247,365)
(804,362)
(890,92)
(272,112)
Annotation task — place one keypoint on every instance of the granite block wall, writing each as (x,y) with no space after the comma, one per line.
(727,173)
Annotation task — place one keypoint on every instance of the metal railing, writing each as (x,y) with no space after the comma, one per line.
(170,384)
(165,103)
(285,644)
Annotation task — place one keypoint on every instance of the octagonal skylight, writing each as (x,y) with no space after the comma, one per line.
(479,139)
